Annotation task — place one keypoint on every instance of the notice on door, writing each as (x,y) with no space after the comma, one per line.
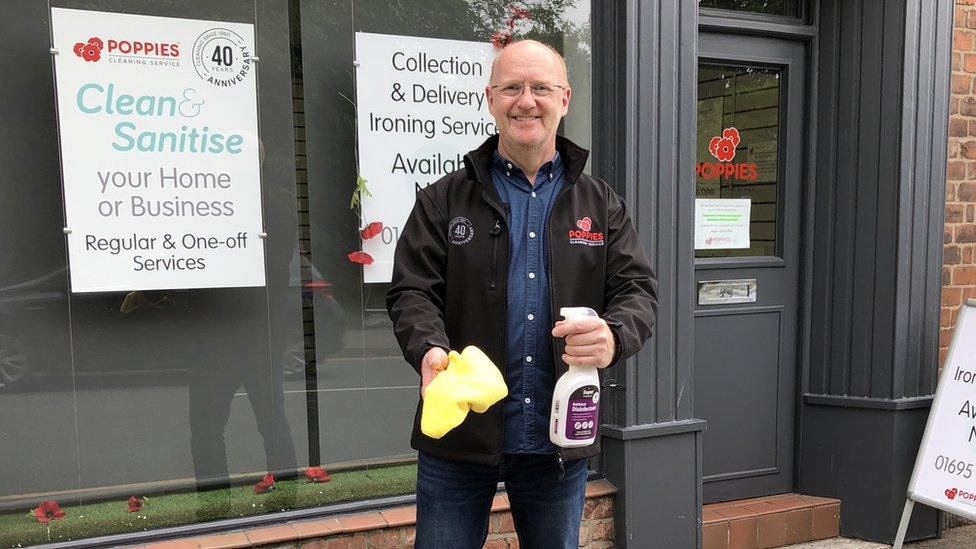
(945,469)
(722,223)
(159,151)
(421,106)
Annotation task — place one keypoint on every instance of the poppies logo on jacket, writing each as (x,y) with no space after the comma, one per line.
(129,52)
(582,234)
(723,148)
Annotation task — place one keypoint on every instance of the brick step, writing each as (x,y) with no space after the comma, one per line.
(771,521)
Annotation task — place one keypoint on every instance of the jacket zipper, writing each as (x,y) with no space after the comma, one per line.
(494,253)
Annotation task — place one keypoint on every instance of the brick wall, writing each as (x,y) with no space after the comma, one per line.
(596,532)
(959,265)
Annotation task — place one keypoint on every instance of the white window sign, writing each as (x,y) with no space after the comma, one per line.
(722,223)
(421,107)
(159,151)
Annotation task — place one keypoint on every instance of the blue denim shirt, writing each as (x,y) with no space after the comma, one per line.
(530,373)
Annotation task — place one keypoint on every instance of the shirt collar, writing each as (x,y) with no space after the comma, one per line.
(547,172)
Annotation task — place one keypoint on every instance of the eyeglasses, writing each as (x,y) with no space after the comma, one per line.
(538,90)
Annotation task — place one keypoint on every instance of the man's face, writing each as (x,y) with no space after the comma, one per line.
(527,122)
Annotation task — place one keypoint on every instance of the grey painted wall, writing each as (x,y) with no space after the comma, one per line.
(876,227)
(643,85)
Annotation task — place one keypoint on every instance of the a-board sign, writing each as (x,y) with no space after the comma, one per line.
(159,151)
(421,107)
(945,470)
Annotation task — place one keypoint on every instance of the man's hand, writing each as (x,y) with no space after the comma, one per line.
(589,341)
(435,360)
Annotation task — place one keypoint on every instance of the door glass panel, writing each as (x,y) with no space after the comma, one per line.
(738,142)
(774,7)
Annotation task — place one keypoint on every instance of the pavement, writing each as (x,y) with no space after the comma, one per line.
(963,537)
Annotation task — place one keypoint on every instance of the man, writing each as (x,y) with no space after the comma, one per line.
(488,256)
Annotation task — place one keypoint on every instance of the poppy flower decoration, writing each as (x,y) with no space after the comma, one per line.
(723,148)
(361,258)
(265,485)
(501,38)
(47,511)
(371,230)
(504,37)
(317,474)
(91,50)
(135,504)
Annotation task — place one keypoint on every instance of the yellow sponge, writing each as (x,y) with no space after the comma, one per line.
(471,381)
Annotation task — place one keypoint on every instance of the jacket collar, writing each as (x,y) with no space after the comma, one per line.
(477,163)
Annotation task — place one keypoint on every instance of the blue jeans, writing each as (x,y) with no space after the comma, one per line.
(454,501)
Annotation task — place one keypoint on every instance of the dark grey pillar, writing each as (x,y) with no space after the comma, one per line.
(876,256)
(644,83)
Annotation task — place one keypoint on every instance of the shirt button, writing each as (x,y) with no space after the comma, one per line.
(550,175)
(528,400)
(533,194)
(509,165)
(531,275)
(531,234)
(528,358)
(508,174)
(530,316)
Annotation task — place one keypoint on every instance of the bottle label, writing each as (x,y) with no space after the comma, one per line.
(583,414)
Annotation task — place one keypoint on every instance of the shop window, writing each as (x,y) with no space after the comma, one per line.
(189,397)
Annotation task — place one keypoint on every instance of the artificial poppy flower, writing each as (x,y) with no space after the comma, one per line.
(371,230)
(500,39)
(520,13)
(48,510)
(135,504)
(266,484)
(362,258)
(317,474)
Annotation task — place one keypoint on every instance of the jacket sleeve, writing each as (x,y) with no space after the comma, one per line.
(415,300)
(631,285)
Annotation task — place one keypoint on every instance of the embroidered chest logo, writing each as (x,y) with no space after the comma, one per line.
(460,231)
(582,234)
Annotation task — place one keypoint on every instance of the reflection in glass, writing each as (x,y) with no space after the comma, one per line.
(775,7)
(746,99)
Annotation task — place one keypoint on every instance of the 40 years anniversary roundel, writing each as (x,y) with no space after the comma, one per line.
(222,57)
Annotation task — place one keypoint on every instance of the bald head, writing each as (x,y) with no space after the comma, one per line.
(532,49)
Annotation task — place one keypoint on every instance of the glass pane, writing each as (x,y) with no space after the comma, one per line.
(190,396)
(738,141)
(775,7)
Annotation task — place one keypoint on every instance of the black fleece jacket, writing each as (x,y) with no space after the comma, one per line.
(450,276)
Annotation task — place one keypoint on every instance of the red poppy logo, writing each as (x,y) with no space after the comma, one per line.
(265,485)
(49,510)
(317,474)
(951,494)
(723,147)
(584,223)
(91,50)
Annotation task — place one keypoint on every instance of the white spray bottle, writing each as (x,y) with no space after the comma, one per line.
(575,412)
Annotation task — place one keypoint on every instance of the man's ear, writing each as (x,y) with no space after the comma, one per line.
(566,97)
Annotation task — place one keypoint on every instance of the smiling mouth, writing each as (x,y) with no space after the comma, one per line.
(526,118)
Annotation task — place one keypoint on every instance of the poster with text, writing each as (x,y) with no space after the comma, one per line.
(159,151)
(421,107)
(945,468)
(722,223)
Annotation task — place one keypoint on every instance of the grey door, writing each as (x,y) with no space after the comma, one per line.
(750,163)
